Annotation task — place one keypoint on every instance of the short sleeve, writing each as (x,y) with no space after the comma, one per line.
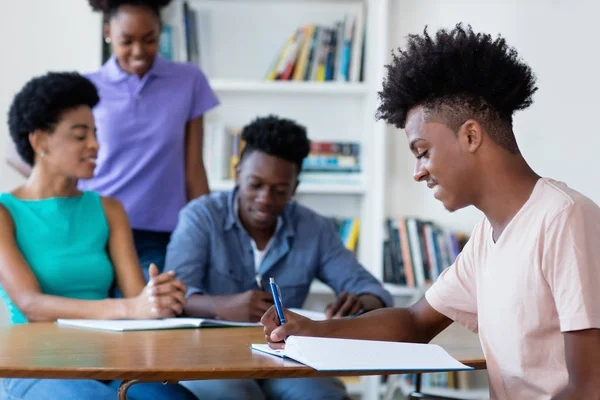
(571,265)
(203,97)
(454,293)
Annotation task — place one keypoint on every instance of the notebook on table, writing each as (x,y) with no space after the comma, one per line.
(123,325)
(327,354)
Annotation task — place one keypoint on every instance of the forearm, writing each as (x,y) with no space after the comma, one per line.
(202,306)
(390,324)
(41,307)
(197,182)
(572,393)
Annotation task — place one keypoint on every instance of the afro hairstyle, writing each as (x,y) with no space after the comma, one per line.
(40,104)
(279,137)
(110,7)
(457,75)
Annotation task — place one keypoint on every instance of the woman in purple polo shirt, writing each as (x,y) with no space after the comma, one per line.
(149,122)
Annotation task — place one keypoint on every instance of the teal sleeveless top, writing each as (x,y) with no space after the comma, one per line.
(64,241)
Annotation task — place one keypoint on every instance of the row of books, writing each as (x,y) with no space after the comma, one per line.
(237,146)
(417,251)
(348,229)
(327,162)
(322,53)
(332,157)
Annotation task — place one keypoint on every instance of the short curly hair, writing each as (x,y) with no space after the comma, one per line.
(279,137)
(458,75)
(40,103)
(110,7)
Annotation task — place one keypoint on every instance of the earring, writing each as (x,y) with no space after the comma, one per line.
(107,39)
(43,154)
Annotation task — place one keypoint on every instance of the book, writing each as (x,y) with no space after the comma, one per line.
(165,44)
(328,354)
(123,325)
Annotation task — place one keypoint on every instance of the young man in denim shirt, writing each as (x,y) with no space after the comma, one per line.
(227,245)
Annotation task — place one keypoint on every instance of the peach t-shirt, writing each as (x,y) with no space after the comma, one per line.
(521,292)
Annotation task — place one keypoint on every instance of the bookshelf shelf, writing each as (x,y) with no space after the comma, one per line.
(306,188)
(400,290)
(318,287)
(468,394)
(285,87)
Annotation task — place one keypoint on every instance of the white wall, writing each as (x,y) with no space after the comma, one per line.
(37,36)
(558,133)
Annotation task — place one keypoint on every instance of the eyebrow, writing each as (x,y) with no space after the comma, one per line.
(414,142)
(276,184)
(80,126)
(128,35)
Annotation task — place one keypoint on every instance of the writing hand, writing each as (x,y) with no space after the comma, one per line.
(294,325)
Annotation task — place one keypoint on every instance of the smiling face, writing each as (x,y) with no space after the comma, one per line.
(134,32)
(266,184)
(445,158)
(70,150)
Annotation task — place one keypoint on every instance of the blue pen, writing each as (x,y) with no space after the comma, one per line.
(277,300)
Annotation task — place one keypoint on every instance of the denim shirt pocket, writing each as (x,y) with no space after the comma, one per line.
(225,279)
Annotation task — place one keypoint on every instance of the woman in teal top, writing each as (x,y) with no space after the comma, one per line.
(60,248)
(66,249)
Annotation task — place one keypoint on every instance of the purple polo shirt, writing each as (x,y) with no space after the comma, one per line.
(141,132)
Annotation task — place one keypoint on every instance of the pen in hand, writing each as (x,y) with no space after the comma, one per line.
(277,300)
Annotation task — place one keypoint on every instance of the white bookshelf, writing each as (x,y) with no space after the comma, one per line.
(305,188)
(224,86)
(320,288)
(241,40)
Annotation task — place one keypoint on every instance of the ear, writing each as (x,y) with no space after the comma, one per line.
(39,141)
(295,187)
(237,173)
(106,32)
(470,135)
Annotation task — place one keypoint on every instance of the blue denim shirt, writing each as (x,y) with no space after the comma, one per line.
(211,253)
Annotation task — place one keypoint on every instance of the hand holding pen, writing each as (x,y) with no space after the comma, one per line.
(280,323)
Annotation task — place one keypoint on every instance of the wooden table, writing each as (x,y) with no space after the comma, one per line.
(46,350)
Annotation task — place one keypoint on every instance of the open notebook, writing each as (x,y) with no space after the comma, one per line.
(122,325)
(326,354)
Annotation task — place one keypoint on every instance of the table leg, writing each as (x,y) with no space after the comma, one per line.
(125,385)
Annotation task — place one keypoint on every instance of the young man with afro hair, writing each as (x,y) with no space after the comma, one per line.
(226,246)
(526,278)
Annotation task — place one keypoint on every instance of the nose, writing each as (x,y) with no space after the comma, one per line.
(265,196)
(421,172)
(93,143)
(136,49)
